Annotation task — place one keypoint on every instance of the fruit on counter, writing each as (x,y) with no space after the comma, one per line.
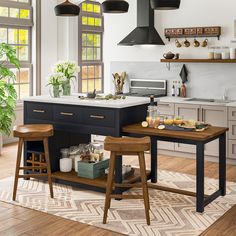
(168,121)
(178,121)
(144,124)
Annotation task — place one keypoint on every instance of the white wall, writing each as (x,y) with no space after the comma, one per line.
(49,40)
(117,26)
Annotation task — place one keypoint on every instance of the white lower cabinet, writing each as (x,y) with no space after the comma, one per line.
(188,111)
(232,133)
(216,116)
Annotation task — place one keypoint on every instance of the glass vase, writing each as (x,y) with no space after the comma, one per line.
(55,91)
(66,88)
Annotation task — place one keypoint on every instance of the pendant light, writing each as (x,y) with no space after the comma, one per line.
(165,4)
(115,6)
(67,9)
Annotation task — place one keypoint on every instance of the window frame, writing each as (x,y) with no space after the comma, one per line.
(90,30)
(17,23)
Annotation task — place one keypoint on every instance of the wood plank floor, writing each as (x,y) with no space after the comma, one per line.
(21,221)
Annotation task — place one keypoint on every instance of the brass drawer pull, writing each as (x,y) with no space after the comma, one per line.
(97,117)
(39,111)
(66,114)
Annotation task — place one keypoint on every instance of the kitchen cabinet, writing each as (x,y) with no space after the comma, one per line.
(188,111)
(216,116)
(166,109)
(232,133)
(74,124)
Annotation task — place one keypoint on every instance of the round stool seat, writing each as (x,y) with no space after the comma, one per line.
(33,131)
(127,144)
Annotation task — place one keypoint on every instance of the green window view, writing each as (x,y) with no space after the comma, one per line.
(91,47)
(15,33)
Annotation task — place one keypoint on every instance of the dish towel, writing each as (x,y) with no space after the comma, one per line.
(184,74)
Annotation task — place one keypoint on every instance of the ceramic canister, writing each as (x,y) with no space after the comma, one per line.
(65,164)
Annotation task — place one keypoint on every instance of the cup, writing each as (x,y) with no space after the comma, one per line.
(186,43)
(196,43)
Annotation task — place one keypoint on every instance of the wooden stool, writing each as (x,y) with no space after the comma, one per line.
(127,146)
(32,133)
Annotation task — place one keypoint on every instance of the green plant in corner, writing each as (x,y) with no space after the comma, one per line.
(8,95)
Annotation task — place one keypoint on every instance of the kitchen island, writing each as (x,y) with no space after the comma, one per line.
(74,122)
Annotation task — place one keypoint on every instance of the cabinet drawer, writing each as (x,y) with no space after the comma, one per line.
(38,111)
(232,113)
(67,114)
(166,108)
(232,149)
(232,129)
(98,117)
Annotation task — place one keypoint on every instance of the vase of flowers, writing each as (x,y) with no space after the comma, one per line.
(69,69)
(55,81)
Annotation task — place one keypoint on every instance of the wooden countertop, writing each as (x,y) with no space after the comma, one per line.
(205,135)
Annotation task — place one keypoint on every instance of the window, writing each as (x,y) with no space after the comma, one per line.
(90,47)
(16,29)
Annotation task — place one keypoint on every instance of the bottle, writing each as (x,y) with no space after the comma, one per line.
(178,89)
(152,102)
(183,91)
(173,90)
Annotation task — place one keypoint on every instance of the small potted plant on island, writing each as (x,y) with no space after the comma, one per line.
(69,69)
(55,81)
(8,95)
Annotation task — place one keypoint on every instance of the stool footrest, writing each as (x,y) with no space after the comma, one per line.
(32,167)
(32,175)
(120,196)
(124,185)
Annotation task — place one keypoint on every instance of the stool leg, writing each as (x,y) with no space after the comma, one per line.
(144,185)
(18,160)
(46,151)
(110,179)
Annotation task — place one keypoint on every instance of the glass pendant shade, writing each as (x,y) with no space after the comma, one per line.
(165,4)
(67,9)
(115,6)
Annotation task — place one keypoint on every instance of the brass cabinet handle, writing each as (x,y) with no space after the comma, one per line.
(39,111)
(97,117)
(66,114)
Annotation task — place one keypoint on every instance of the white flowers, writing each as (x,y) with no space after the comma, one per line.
(68,68)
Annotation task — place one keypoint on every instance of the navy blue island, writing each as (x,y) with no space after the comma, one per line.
(74,122)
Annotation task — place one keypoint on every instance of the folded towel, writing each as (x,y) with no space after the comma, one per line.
(184,74)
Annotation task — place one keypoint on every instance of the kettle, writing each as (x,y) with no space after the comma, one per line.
(169,55)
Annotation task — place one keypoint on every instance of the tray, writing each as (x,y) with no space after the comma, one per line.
(181,128)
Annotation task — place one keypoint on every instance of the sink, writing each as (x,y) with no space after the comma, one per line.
(208,100)
(200,100)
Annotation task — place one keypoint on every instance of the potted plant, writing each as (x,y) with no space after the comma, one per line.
(69,69)
(8,95)
(55,80)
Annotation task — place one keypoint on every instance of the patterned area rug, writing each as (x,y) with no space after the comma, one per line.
(171,214)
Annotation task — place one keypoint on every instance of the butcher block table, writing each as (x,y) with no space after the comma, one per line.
(199,139)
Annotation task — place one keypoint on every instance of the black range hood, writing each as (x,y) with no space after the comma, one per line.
(145,32)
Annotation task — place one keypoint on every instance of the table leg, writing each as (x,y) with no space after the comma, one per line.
(153,160)
(222,164)
(118,174)
(200,177)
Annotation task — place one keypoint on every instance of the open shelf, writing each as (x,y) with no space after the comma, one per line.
(198,61)
(100,182)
